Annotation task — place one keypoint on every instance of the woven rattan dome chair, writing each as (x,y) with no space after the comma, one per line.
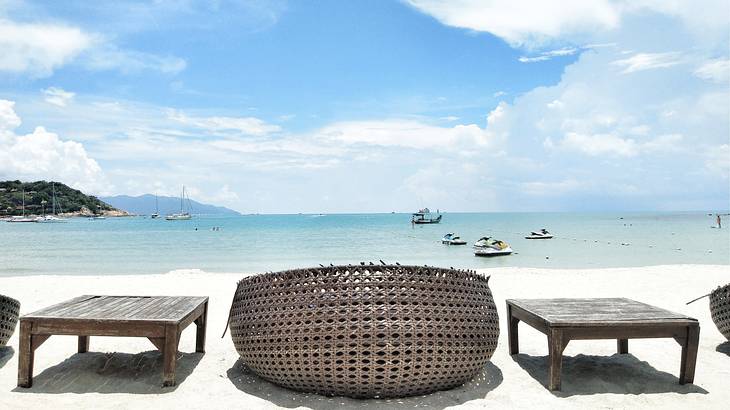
(720,309)
(365,331)
(9,311)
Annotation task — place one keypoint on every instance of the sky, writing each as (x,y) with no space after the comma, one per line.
(273,106)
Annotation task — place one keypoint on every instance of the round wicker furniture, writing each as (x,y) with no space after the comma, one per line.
(365,331)
(720,309)
(9,311)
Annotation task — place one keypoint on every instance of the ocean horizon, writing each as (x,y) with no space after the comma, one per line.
(267,242)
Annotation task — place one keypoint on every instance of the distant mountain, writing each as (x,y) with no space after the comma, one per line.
(145,205)
(39,200)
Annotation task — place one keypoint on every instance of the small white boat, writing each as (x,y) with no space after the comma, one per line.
(541,234)
(50,219)
(22,218)
(183,215)
(157,210)
(452,239)
(487,246)
(424,216)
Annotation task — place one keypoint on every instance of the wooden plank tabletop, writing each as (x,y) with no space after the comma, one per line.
(122,308)
(597,312)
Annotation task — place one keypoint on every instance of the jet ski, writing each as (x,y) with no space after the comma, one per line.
(452,239)
(487,246)
(541,234)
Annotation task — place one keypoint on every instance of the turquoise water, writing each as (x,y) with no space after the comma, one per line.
(259,243)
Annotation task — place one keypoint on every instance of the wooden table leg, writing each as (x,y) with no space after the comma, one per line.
(84,344)
(689,355)
(25,357)
(622,346)
(512,332)
(169,355)
(556,345)
(201,323)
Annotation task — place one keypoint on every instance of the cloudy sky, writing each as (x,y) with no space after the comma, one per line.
(373,106)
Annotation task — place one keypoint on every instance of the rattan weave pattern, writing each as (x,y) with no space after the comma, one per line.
(365,331)
(9,311)
(720,309)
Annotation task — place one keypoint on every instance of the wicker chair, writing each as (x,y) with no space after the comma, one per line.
(720,309)
(365,331)
(9,310)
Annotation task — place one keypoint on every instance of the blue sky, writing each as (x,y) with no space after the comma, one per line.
(274,106)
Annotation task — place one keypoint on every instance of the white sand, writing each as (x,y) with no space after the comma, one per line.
(593,376)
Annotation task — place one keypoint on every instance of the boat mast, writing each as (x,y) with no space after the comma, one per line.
(23,202)
(53,198)
(181,199)
(157,208)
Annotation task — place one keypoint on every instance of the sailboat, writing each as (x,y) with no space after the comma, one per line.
(52,218)
(183,215)
(157,210)
(22,218)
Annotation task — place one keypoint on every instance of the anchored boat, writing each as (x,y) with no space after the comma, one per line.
(487,246)
(183,215)
(541,234)
(423,216)
(452,239)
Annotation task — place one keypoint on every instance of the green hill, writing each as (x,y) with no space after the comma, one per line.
(39,194)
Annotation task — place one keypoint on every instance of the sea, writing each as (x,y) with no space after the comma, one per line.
(262,243)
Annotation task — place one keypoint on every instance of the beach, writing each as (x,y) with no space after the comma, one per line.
(120,373)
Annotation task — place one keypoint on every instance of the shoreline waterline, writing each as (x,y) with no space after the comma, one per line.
(260,243)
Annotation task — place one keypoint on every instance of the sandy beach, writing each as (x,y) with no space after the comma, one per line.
(121,373)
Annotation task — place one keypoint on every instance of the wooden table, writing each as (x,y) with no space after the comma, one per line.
(161,319)
(563,320)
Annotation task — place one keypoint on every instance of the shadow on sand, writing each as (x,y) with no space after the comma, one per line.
(95,372)
(722,348)
(620,373)
(478,388)
(6,353)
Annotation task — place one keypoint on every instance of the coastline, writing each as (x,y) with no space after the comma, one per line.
(593,376)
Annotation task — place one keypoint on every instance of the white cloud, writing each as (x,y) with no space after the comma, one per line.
(600,144)
(715,70)
(547,55)
(498,94)
(405,133)
(648,61)
(244,125)
(531,24)
(38,48)
(43,155)
(58,96)
(718,160)
(552,188)
(523,22)
(110,57)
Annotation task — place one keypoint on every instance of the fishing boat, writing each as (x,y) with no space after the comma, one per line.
(22,218)
(452,239)
(183,215)
(541,234)
(52,218)
(487,246)
(423,216)
(157,210)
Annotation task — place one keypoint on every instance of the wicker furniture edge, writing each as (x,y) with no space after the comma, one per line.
(365,331)
(9,312)
(720,309)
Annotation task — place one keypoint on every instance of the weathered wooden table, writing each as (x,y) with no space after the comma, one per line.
(563,320)
(161,319)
